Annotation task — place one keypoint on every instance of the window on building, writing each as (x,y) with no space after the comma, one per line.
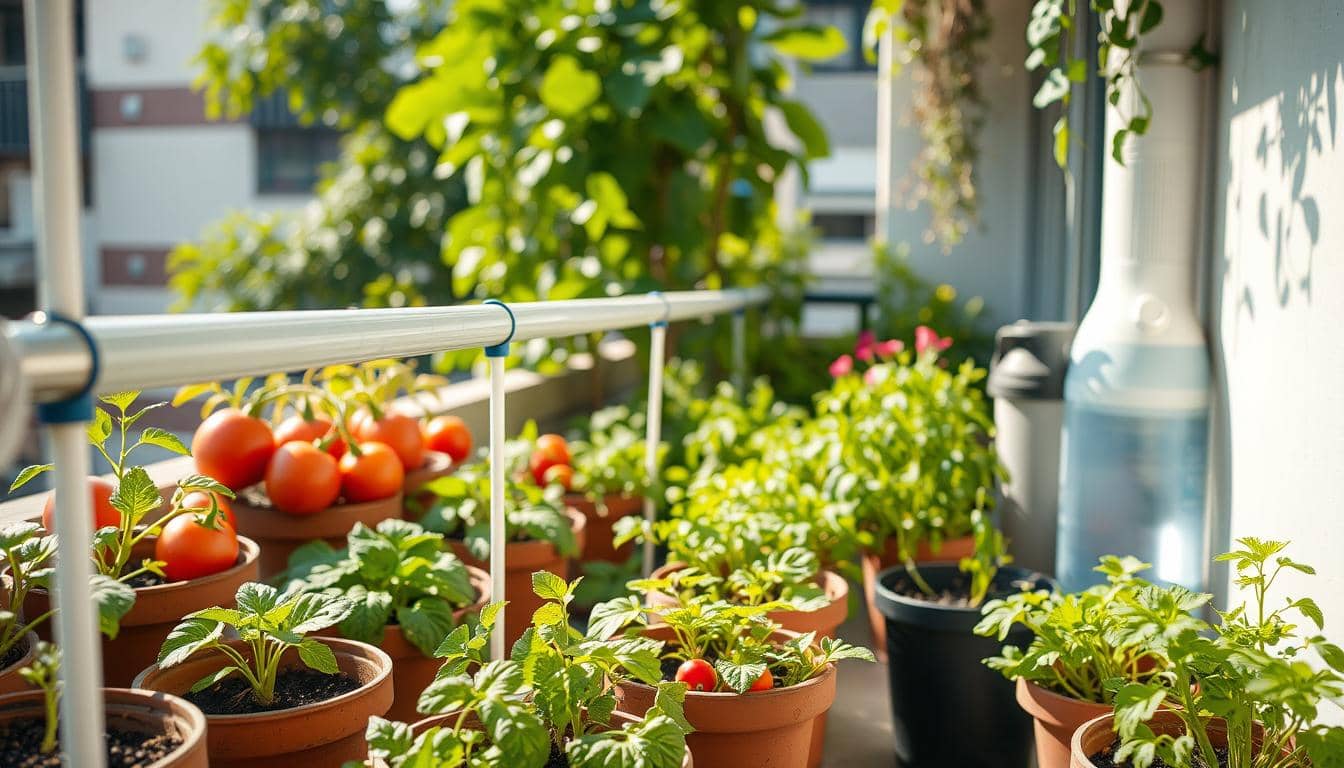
(846,16)
(844,226)
(289,160)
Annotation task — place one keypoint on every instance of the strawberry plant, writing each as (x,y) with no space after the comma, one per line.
(269,622)
(1252,671)
(397,573)
(1081,646)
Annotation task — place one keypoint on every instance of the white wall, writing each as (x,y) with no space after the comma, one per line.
(171,30)
(1277,286)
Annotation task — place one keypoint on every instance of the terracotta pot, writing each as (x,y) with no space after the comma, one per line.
(10,679)
(824,621)
(279,534)
(873,563)
(618,719)
(413,671)
(323,734)
(521,560)
(436,464)
(767,729)
(1056,718)
(157,610)
(135,712)
(1098,735)
(599,537)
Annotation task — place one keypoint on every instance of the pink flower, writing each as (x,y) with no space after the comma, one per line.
(927,338)
(866,340)
(864,353)
(889,348)
(843,366)
(874,375)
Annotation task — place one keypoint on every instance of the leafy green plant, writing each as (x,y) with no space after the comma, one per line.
(1252,673)
(269,622)
(983,564)
(1081,646)
(398,573)
(610,460)
(552,696)
(730,426)
(44,674)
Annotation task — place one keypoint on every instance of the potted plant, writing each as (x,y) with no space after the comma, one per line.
(177,561)
(1081,648)
(275,696)
(144,730)
(755,690)
(947,707)
(606,478)
(551,703)
(1241,696)
(910,444)
(408,594)
(542,534)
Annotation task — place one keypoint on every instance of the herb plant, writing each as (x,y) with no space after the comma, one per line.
(398,572)
(1252,672)
(269,622)
(44,674)
(1081,646)
(610,461)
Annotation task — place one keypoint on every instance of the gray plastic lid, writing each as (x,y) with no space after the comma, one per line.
(1030,359)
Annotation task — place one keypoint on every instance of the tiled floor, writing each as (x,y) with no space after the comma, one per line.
(858,733)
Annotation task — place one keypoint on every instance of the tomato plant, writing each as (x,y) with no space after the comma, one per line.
(370,471)
(233,447)
(398,431)
(448,434)
(200,500)
(561,475)
(302,480)
(104,514)
(192,547)
(296,428)
(551,450)
(698,675)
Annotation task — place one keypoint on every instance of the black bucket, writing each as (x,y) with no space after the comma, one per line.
(948,709)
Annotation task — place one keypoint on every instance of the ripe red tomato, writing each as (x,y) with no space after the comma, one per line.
(104,514)
(550,451)
(301,480)
(189,550)
(765,682)
(449,434)
(698,675)
(201,500)
(374,474)
(296,429)
(562,474)
(399,432)
(233,448)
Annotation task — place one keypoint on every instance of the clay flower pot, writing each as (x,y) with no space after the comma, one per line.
(1056,718)
(521,560)
(436,464)
(1098,735)
(279,534)
(766,728)
(824,621)
(135,712)
(157,610)
(327,733)
(10,679)
(413,671)
(947,707)
(599,536)
(872,563)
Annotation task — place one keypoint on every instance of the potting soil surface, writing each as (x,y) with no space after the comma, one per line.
(294,687)
(21,740)
(1106,759)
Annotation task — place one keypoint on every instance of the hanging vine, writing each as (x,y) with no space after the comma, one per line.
(944,40)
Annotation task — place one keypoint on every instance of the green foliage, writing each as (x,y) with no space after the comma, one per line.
(397,574)
(732,427)
(44,674)
(1253,673)
(268,622)
(610,460)
(1081,646)
(989,556)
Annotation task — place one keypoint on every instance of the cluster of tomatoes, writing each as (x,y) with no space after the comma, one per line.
(550,462)
(306,464)
(699,675)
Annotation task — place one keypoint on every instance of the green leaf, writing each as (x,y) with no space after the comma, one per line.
(312,612)
(212,678)
(187,638)
(739,675)
(120,400)
(28,473)
(810,43)
(317,655)
(548,586)
(446,694)
(426,623)
(387,738)
(608,618)
(256,599)
(670,701)
(567,88)
(164,439)
(136,496)
(1061,144)
(113,600)
(370,612)
(1152,16)
(656,742)
(100,428)
(803,124)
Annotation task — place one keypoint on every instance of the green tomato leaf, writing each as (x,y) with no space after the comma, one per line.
(317,655)
(136,496)
(188,637)
(28,473)
(426,623)
(212,678)
(164,439)
(567,88)
(113,600)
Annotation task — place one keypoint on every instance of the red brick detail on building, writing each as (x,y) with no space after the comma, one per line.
(129,265)
(148,107)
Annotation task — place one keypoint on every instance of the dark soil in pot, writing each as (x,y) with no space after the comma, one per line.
(144,730)
(949,709)
(21,744)
(1107,759)
(294,687)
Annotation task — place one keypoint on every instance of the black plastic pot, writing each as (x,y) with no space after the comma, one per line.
(949,709)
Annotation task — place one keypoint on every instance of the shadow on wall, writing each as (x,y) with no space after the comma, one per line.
(1278,126)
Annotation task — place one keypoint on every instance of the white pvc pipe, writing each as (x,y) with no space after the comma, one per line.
(654,431)
(497,512)
(739,326)
(884,188)
(53,130)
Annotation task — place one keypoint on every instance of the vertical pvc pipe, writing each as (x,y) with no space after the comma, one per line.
(53,122)
(654,434)
(884,188)
(497,532)
(739,322)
